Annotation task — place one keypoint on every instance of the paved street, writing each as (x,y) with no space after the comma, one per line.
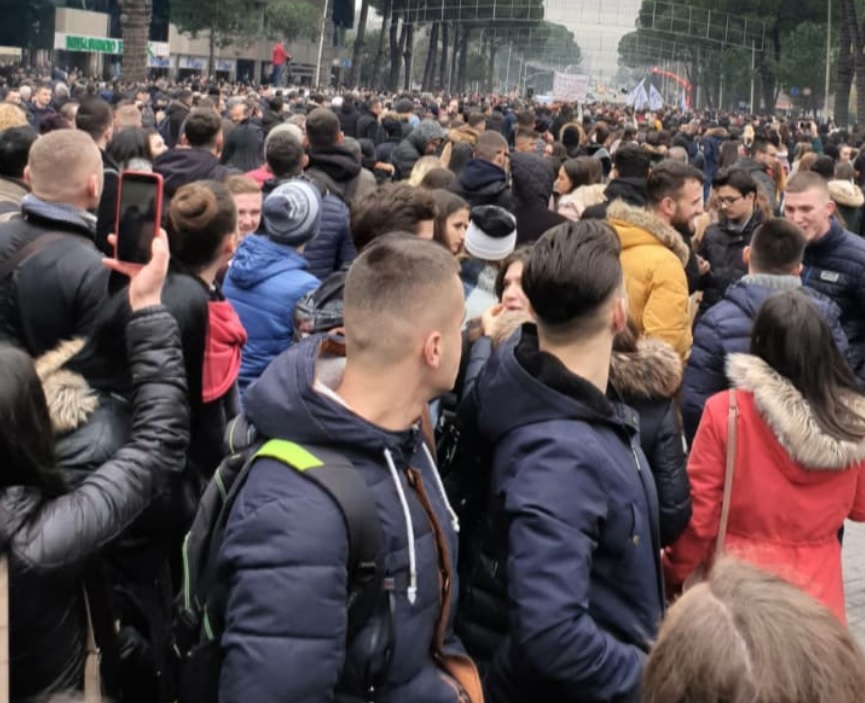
(854,578)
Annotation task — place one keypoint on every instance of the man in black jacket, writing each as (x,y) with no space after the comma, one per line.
(368,126)
(176,114)
(52,280)
(96,119)
(630,170)
(483,180)
(179,167)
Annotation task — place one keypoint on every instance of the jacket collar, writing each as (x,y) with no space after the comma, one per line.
(60,215)
(787,412)
(642,219)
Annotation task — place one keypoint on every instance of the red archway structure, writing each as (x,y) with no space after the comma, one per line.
(675,77)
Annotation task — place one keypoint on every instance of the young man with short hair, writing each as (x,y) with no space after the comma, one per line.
(202,132)
(774,262)
(574,512)
(655,255)
(484,179)
(286,547)
(95,118)
(834,260)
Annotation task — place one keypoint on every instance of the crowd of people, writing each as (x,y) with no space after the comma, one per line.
(427,399)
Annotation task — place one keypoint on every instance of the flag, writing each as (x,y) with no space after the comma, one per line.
(656,102)
(631,100)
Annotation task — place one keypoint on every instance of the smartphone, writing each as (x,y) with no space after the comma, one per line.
(139,215)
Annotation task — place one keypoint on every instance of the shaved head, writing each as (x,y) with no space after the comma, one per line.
(65,166)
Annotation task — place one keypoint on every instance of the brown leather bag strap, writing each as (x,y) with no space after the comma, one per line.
(92,676)
(729,470)
(4,629)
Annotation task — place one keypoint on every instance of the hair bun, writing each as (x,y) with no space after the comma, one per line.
(193,207)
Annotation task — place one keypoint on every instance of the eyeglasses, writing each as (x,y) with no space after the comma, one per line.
(732,200)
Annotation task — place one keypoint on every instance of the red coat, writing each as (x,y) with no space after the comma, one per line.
(279,54)
(793,486)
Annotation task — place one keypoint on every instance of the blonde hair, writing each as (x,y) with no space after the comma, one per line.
(61,162)
(747,636)
(11,116)
(422,167)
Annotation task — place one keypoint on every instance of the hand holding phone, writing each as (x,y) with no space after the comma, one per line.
(139,215)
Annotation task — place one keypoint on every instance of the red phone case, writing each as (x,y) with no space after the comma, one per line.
(142,176)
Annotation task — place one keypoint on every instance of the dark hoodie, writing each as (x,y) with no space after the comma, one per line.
(286,547)
(533,186)
(348,117)
(180,167)
(631,190)
(483,183)
(575,503)
(337,169)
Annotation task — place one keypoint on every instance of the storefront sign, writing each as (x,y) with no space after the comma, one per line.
(103,45)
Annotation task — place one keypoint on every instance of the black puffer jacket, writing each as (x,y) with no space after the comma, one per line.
(483,183)
(722,247)
(57,292)
(49,542)
(533,178)
(648,380)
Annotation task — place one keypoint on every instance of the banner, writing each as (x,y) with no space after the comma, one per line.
(103,45)
(570,87)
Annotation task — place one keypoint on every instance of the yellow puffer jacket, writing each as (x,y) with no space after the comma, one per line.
(653,258)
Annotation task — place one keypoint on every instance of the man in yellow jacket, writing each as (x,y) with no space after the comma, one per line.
(654,254)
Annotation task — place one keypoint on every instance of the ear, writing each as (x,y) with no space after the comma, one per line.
(619,316)
(28,178)
(341,138)
(830,208)
(94,189)
(432,350)
(668,207)
(746,256)
(799,267)
(305,161)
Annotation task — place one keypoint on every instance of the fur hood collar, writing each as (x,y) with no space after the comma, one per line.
(464,134)
(71,401)
(641,218)
(782,406)
(652,372)
(846,194)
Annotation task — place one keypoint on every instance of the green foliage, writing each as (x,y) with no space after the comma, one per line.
(293,19)
(229,21)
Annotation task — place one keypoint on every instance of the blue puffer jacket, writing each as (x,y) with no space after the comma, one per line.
(726,329)
(575,502)
(264,283)
(286,549)
(332,246)
(835,266)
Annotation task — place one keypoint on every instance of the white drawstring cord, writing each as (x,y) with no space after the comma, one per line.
(455,521)
(409,526)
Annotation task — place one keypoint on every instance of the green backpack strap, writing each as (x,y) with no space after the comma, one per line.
(341,480)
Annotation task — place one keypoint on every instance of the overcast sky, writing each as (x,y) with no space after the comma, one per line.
(597,25)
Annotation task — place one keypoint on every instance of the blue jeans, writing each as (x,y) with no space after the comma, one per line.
(276,76)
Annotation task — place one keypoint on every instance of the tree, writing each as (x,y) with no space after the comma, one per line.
(359,45)
(135,22)
(226,22)
(293,19)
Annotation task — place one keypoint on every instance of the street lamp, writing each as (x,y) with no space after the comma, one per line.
(828,60)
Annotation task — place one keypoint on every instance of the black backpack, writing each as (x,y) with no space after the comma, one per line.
(465,462)
(201,619)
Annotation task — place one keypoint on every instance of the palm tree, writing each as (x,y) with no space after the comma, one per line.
(135,18)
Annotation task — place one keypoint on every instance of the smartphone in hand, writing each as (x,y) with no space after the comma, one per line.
(139,215)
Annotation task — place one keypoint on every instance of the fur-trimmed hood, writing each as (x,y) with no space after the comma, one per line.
(70,399)
(464,134)
(782,406)
(718,132)
(846,194)
(631,221)
(652,372)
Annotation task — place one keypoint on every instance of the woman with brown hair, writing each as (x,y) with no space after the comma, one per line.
(579,185)
(798,453)
(746,636)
